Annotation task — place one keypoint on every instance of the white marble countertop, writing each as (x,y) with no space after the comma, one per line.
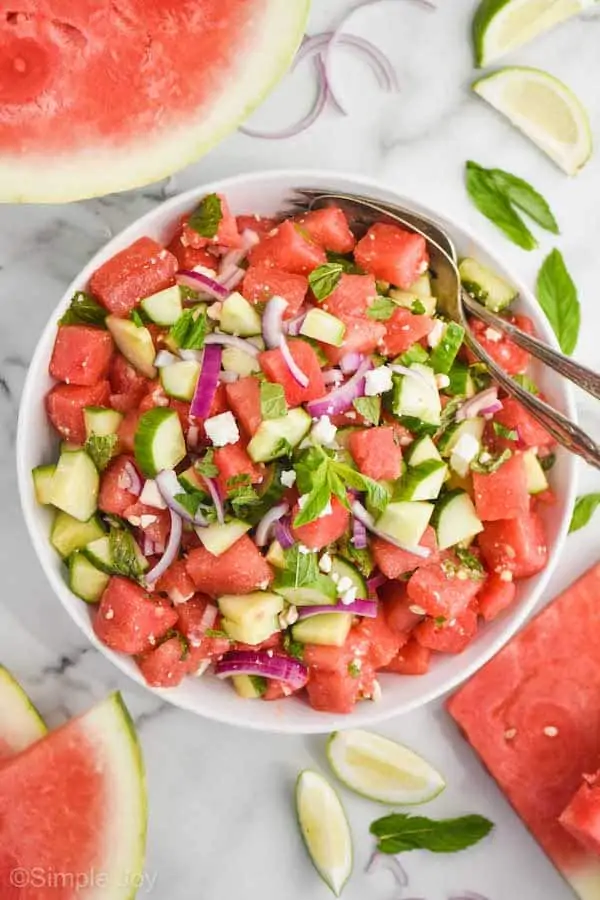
(221,812)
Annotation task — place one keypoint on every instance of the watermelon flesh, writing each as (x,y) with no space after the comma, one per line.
(74,802)
(533,716)
(179,77)
(20,722)
(582,816)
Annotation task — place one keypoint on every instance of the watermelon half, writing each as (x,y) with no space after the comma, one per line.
(75,802)
(103,95)
(20,722)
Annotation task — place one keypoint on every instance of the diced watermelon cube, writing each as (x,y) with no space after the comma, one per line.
(244,399)
(392,254)
(502,494)
(329,228)
(412,659)
(176,583)
(396,606)
(384,642)
(327,658)
(362,336)
(136,272)
(140,516)
(435,590)
(183,412)
(514,360)
(227,233)
(289,249)
(325,530)
(376,453)
(582,816)
(232,461)
(129,619)
(65,404)
(190,257)
(260,224)
(452,636)
(394,562)
(276,369)
(195,618)
(239,570)
(515,417)
(496,595)
(515,545)
(127,384)
(261,283)
(352,296)
(403,329)
(338,692)
(81,354)
(127,430)
(114,496)
(166,665)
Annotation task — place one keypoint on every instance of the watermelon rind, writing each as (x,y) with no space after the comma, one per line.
(20,722)
(95,171)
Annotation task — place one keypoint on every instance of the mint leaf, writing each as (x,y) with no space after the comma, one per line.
(136,318)
(293,648)
(401,832)
(206,466)
(369,408)
(316,504)
(558,298)
(272,400)
(495,206)
(502,431)
(486,463)
(547,462)
(300,568)
(522,195)
(324,279)
(124,553)
(362,559)
(101,448)
(205,220)
(585,507)
(190,500)
(84,310)
(381,309)
(377,494)
(189,330)
(348,265)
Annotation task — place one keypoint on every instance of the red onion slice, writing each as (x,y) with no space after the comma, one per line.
(340,400)
(168,485)
(283,534)
(478,404)
(366,608)
(333,376)
(359,534)
(215,495)
(350,363)
(263,529)
(197,281)
(171,550)
(363,516)
(391,863)
(300,376)
(148,547)
(376,581)
(258,662)
(133,479)
(272,322)
(208,381)
(233,277)
(294,325)
(230,340)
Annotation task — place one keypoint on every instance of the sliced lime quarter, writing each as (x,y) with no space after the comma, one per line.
(381,769)
(325,829)
(501,26)
(544,109)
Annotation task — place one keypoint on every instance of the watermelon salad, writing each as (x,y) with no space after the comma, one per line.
(279,462)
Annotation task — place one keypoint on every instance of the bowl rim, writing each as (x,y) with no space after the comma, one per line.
(323,723)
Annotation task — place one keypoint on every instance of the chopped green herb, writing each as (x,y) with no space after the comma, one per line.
(470,563)
(101,448)
(418,308)
(272,400)
(362,559)
(84,310)
(558,298)
(206,466)
(124,554)
(382,309)
(486,463)
(205,220)
(440,621)
(400,832)
(190,500)
(585,507)
(300,568)
(324,279)
(547,462)
(502,431)
(242,500)
(354,669)
(348,265)
(259,684)
(188,294)
(480,376)
(136,318)
(293,648)
(369,408)
(216,633)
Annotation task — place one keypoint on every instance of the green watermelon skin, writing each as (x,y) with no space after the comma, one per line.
(20,722)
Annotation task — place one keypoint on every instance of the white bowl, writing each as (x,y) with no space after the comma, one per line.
(37,443)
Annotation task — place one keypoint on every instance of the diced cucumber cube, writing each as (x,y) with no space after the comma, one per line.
(417,396)
(461,382)
(85,580)
(422,482)
(179,380)
(421,450)
(69,534)
(444,354)
(249,687)
(250,618)
(101,421)
(536,477)
(235,360)
(330,629)
(485,286)
(75,485)
(135,343)
(42,483)
(473,427)
(406,521)
(455,520)
(320,592)
(407,300)
(422,286)
(276,556)
(239,317)
(98,552)
(323,327)
(217,539)
(343,569)
(165,307)
(277,437)
(159,443)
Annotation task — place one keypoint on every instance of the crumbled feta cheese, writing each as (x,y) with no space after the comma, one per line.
(351,415)
(376,692)
(288,478)
(303,550)
(493,335)
(288,617)
(349,596)
(550,731)
(436,334)
(344,584)
(222,429)
(270,654)
(378,381)
(464,452)
(324,432)
(109,614)
(151,496)
(134,520)
(146,521)
(442,381)
(325,563)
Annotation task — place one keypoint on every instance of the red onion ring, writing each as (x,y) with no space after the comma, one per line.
(333,376)
(283,534)
(230,340)
(359,534)
(340,399)
(215,495)
(258,662)
(391,863)
(300,376)
(376,581)
(208,382)
(366,608)
(263,529)
(294,325)
(272,321)
(478,404)
(134,484)
(350,363)
(171,550)
(168,485)
(197,281)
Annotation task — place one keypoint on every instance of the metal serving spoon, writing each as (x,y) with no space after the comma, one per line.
(453,300)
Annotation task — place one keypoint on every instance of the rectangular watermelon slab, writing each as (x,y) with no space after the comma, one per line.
(533,716)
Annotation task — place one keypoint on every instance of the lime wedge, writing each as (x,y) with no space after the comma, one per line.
(381,769)
(325,829)
(500,26)
(544,109)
